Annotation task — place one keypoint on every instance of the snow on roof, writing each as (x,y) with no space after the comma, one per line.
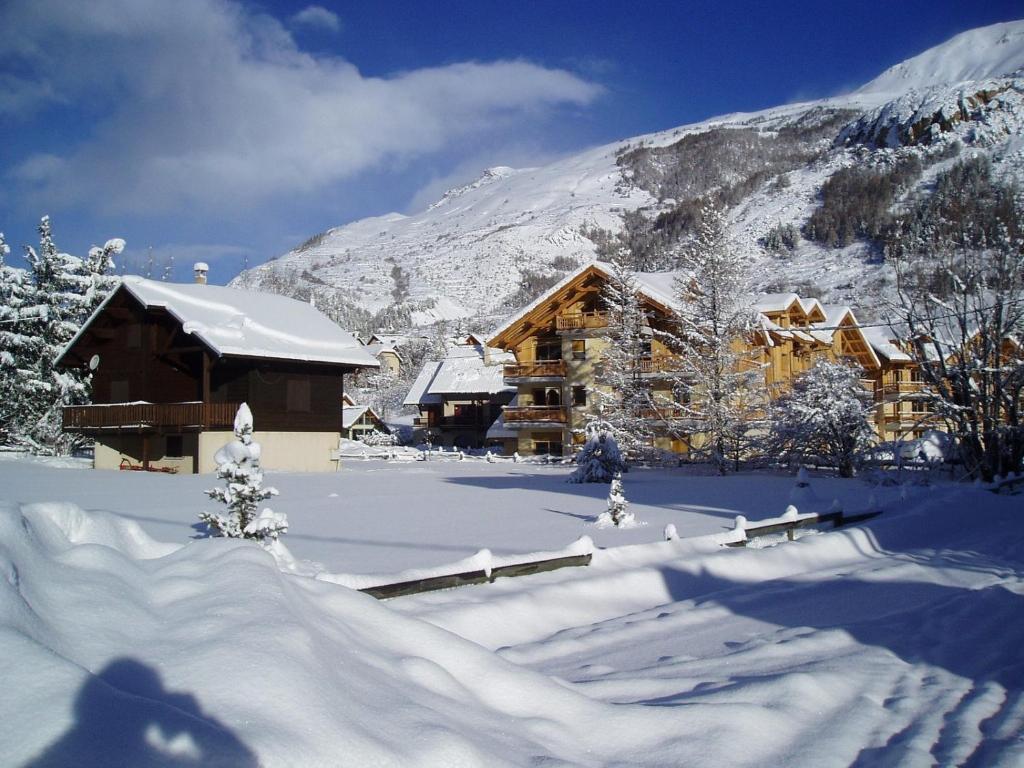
(418,394)
(780,302)
(462,372)
(880,340)
(379,348)
(242,323)
(350,415)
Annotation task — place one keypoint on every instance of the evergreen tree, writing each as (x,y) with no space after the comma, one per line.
(723,383)
(238,464)
(827,415)
(600,459)
(617,504)
(623,397)
(45,307)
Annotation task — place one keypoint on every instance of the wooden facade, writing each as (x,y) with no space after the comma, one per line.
(155,382)
(558,344)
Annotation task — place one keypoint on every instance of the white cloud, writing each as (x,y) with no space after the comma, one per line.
(201,103)
(317,17)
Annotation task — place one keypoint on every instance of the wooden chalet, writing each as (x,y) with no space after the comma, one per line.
(171,363)
(558,342)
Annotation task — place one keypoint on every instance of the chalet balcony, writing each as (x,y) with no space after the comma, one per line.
(540,369)
(581,321)
(148,417)
(660,364)
(666,413)
(421,421)
(535,414)
(901,389)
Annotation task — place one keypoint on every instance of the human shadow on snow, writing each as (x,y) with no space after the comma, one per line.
(125,717)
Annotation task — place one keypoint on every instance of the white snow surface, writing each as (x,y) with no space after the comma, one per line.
(250,324)
(895,643)
(464,371)
(993,51)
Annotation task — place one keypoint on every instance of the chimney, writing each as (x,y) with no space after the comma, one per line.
(199,269)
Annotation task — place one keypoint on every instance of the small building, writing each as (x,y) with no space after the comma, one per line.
(388,356)
(172,362)
(357,421)
(460,397)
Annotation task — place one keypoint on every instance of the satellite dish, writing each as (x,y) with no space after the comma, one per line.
(94,362)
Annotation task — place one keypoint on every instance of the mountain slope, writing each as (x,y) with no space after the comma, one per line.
(487,247)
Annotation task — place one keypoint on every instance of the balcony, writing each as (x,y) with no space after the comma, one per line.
(901,388)
(421,421)
(581,321)
(540,369)
(535,414)
(148,417)
(660,364)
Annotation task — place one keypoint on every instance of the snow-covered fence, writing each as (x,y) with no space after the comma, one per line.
(791,520)
(481,568)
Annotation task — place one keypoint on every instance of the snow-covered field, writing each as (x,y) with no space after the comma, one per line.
(123,641)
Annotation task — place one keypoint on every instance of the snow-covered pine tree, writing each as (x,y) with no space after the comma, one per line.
(622,396)
(827,414)
(600,460)
(617,505)
(238,464)
(60,292)
(12,347)
(723,382)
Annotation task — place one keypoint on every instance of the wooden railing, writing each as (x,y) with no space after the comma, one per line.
(141,416)
(581,320)
(538,369)
(663,414)
(554,414)
(902,388)
(660,364)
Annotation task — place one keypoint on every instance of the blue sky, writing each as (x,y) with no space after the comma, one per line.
(231,131)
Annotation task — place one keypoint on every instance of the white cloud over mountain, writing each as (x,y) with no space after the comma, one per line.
(204,102)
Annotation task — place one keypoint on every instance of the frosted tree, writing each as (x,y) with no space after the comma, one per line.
(13,343)
(962,300)
(385,391)
(721,381)
(623,397)
(238,464)
(600,460)
(57,296)
(827,415)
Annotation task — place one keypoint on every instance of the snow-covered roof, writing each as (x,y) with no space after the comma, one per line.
(379,348)
(462,372)
(780,302)
(880,340)
(350,415)
(241,323)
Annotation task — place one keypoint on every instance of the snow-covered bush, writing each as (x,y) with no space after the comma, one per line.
(376,437)
(600,460)
(826,415)
(238,463)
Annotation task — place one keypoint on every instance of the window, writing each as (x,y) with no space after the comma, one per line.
(579,395)
(547,447)
(915,375)
(579,349)
(297,395)
(175,446)
(549,350)
(133,336)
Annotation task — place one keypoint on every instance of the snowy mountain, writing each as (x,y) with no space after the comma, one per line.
(487,247)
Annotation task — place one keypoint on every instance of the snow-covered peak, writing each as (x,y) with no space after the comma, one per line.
(489,176)
(978,54)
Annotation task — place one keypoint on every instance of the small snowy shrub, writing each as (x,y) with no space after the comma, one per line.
(378,438)
(238,464)
(617,513)
(600,460)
